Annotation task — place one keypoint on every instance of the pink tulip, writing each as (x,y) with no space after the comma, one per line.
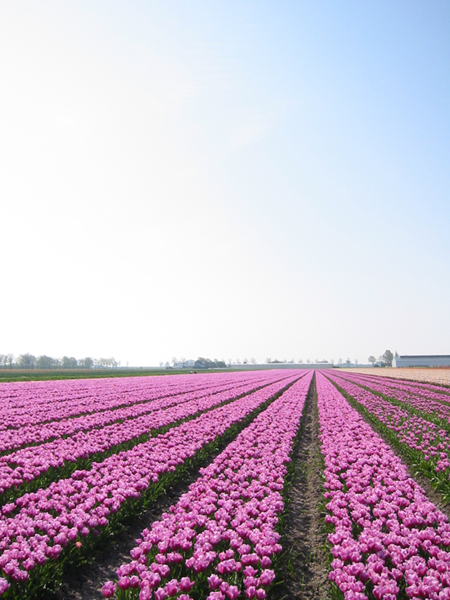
(109,589)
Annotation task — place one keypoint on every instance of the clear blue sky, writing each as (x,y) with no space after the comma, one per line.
(226,179)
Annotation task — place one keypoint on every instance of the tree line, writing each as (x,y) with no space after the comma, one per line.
(207,363)
(29,361)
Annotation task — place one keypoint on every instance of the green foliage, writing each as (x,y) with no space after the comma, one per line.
(207,363)
(387,358)
(27,361)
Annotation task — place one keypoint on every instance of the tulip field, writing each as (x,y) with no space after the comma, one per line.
(82,461)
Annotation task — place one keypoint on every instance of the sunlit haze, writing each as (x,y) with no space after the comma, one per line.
(225,179)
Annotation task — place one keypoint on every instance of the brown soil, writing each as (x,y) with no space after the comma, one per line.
(305,565)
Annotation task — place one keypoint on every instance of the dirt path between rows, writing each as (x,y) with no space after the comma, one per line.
(305,570)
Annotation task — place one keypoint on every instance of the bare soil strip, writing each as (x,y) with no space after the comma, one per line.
(305,559)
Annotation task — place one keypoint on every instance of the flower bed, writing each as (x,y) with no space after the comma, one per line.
(15,438)
(220,538)
(38,402)
(59,458)
(429,404)
(413,386)
(49,523)
(388,540)
(425,443)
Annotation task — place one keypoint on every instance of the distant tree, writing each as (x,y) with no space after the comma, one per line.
(332,361)
(340,362)
(207,363)
(348,362)
(161,364)
(253,361)
(86,363)
(300,361)
(45,362)
(356,361)
(69,363)
(183,361)
(308,361)
(387,358)
(245,361)
(6,360)
(268,361)
(105,363)
(372,360)
(27,361)
(174,360)
(202,363)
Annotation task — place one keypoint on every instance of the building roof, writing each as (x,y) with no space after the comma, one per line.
(424,356)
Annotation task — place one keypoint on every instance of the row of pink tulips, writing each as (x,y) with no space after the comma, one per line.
(37,526)
(374,382)
(405,384)
(43,401)
(37,433)
(431,403)
(21,394)
(219,540)
(387,536)
(84,396)
(416,433)
(25,465)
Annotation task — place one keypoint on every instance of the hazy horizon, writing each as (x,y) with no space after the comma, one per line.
(227,180)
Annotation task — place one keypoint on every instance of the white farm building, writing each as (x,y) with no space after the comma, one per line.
(422,360)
